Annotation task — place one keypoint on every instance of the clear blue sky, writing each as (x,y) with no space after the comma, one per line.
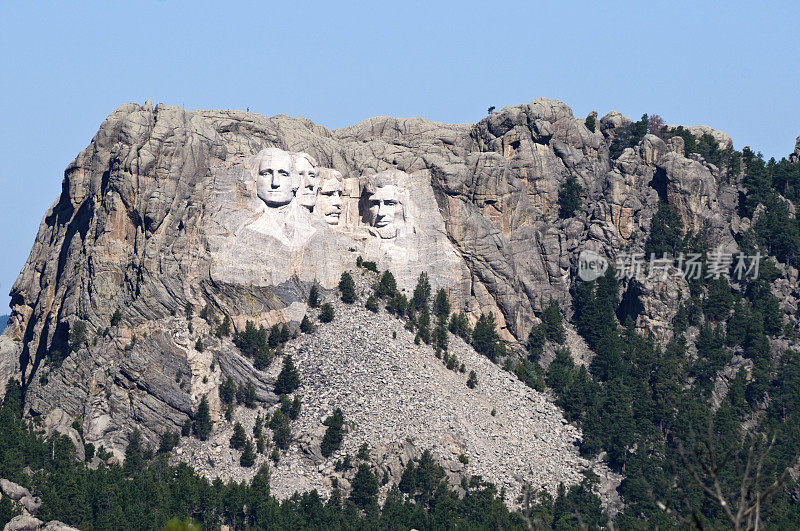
(66,65)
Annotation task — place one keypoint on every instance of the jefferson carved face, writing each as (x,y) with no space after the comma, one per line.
(304,165)
(383,206)
(276,181)
(329,201)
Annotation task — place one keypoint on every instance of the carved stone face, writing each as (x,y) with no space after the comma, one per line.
(383,207)
(329,200)
(309,180)
(276,181)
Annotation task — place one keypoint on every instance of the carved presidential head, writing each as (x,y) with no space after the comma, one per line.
(329,199)
(276,180)
(382,203)
(306,167)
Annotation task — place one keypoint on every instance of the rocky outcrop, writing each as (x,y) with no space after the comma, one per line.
(168,210)
(400,399)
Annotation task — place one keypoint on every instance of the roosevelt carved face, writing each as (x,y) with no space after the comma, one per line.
(383,210)
(276,181)
(329,200)
(304,165)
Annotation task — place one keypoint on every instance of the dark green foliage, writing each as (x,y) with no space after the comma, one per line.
(387,286)
(198,345)
(372,304)
(591,123)
(188,309)
(224,328)
(472,380)
(363,452)
(628,136)
(441,305)
(202,420)
(552,324)
(484,335)
(326,313)
(274,336)
(116,318)
(307,326)
(560,371)
(536,340)
(422,478)
(347,288)
(248,457)
(313,296)
(77,335)
(666,232)
(227,391)
(424,324)
(252,341)
(288,379)
(530,374)
(364,491)
(281,429)
(239,437)
(720,299)
(332,439)
(247,395)
(168,441)
(398,304)
(459,325)
(369,266)
(422,292)
(569,197)
(440,338)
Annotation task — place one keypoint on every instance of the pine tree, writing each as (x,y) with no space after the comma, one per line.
(666,232)
(248,457)
(227,391)
(560,371)
(347,287)
(372,304)
(332,439)
(459,325)
(307,326)
(472,380)
(536,341)
(441,304)
(364,491)
(202,420)
(313,296)
(224,329)
(387,286)
(551,321)
(327,314)
(281,429)
(288,379)
(422,292)
(239,437)
(274,336)
(484,336)
(569,197)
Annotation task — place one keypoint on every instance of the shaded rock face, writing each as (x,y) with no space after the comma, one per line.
(241,214)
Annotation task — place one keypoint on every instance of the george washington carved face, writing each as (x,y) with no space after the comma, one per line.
(276,180)
(305,166)
(329,200)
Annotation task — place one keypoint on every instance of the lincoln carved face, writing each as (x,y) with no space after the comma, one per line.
(383,206)
(276,181)
(305,166)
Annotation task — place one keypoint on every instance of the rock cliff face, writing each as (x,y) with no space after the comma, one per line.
(241,214)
